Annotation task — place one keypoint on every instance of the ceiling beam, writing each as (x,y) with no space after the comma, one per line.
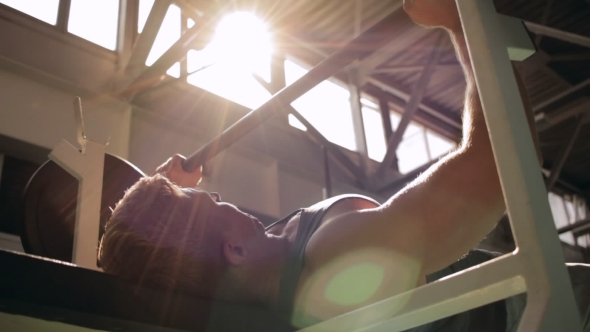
(146,39)
(571,57)
(563,155)
(405,96)
(563,98)
(127,32)
(546,121)
(311,130)
(411,107)
(152,75)
(413,68)
(354,87)
(565,36)
(571,227)
(387,87)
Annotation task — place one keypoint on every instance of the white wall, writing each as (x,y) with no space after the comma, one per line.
(42,115)
(245,178)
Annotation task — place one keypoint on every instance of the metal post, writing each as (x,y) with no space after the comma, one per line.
(357,118)
(550,301)
(411,106)
(327,191)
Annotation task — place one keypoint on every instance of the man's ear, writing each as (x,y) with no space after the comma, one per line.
(235,254)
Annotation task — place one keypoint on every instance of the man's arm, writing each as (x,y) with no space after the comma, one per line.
(451,207)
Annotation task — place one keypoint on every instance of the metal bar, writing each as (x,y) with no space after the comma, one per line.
(544,121)
(128,16)
(563,155)
(387,129)
(571,227)
(550,300)
(565,36)
(327,177)
(177,52)
(544,19)
(355,49)
(563,98)
(411,106)
(412,68)
(63,15)
(357,118)
(494,280)
(385,118)
(394,91)
(183,30)
(277,72)
(570,57)
(268,86)
(147,37)
(334,150)
(277,83)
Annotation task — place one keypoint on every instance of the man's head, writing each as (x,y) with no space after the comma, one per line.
(183,239)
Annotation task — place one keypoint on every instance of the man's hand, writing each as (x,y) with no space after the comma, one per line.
(434,13)
(172,169)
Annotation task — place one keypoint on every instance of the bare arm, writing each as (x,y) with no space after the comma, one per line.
(451,207)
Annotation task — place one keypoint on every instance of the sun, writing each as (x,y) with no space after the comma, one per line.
(242,41)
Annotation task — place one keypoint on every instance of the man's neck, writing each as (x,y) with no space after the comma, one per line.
(264,278)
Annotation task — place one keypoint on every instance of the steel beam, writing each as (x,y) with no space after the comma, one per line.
(405,96)
(177,52)
(563,155)
(563,98)
(550,299)
(128,16)
(405,69)
(63,15)
(544,19)
(565,36)
(146,39)
(570,57)
(311,130)
(411,106)
(387,129)
(574,226)
(545,122)
(384,86)
(385,118)
(357,117)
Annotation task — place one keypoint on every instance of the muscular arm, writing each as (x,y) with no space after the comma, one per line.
(453,205)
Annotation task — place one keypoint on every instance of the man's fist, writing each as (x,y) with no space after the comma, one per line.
(434,13)
(172,169)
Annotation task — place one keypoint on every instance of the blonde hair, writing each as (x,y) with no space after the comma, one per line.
(158,239)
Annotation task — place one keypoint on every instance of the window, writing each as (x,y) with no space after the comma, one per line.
(567,210)
(95,21)
(326,107)
(168,34)
(374,134)
(44,10)
(145,7)
(241,46)
(419,144)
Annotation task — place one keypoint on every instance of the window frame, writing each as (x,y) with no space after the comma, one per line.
(59,31)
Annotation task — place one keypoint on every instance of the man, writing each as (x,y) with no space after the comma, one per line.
(333,257)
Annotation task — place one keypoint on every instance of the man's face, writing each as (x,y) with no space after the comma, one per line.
(224,216)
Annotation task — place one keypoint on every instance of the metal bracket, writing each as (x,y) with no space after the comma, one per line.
(87,166)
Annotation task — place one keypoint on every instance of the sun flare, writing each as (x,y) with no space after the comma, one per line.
(242,41)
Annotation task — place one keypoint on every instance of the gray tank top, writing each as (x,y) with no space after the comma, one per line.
(309,220)
(488,318)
